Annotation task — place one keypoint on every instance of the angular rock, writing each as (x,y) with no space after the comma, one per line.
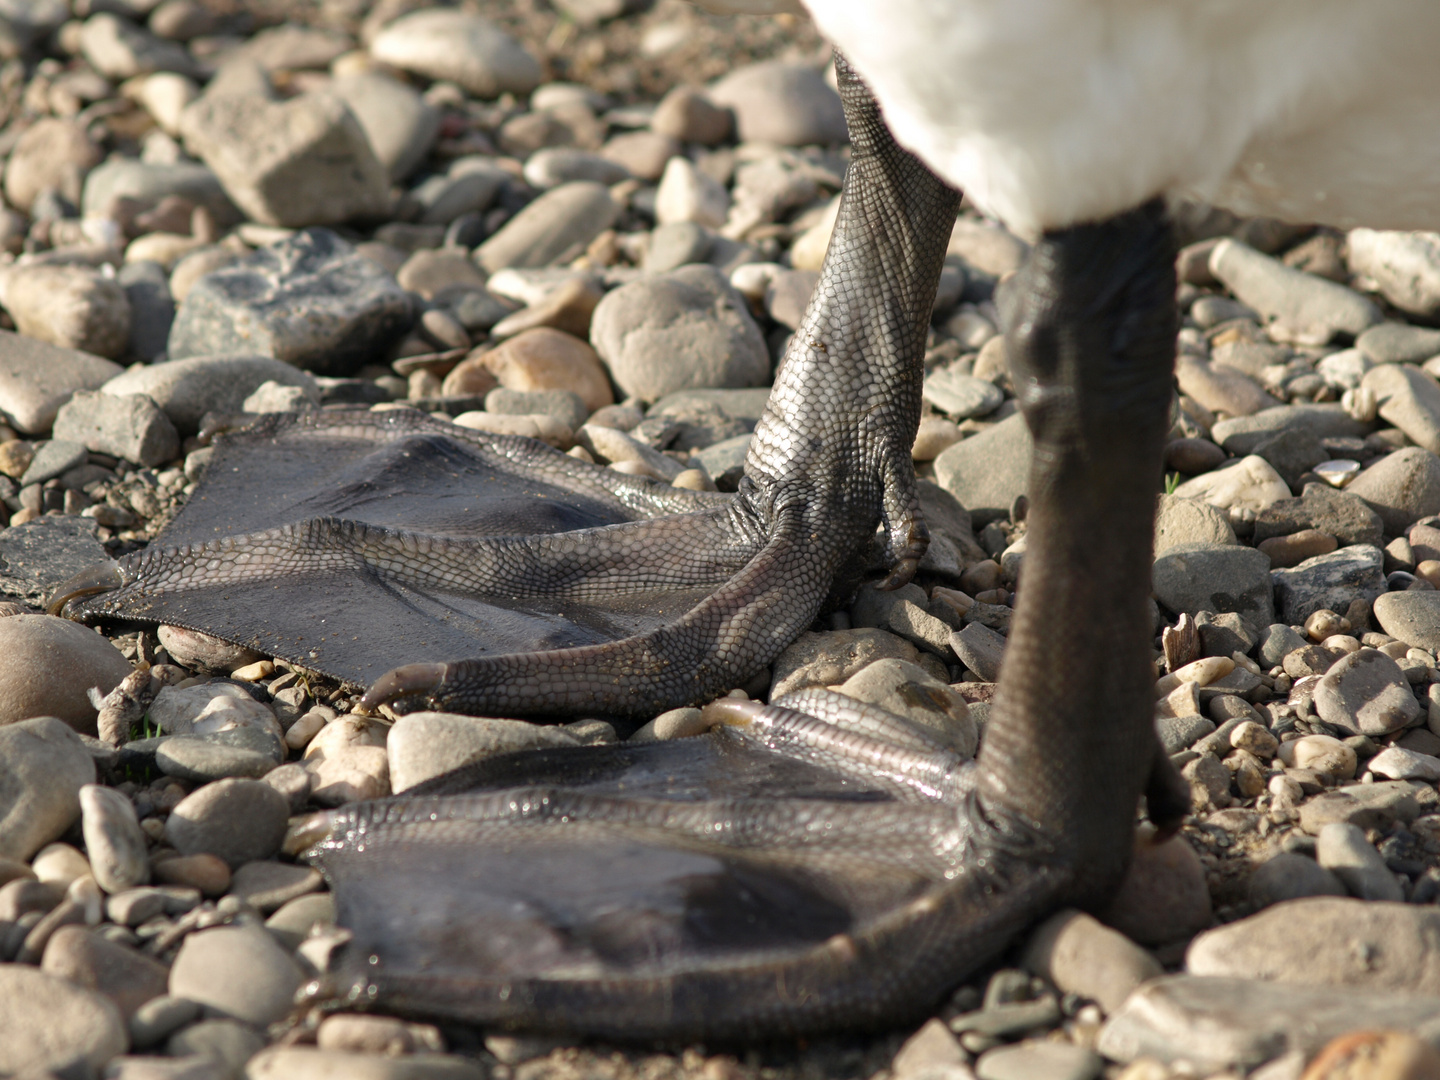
(1366,693)
(1226,578)
(40,555)
(1328,582)
(43,766)
(1401,763)
(980,649)
(424,745)
(148,183)
(459,47)
(119,49)
(683,330)
(988,471)
(1401,487)
(187,389)
(1341,514)
(50,665)
(559,224)
(1301,307)
(1343,850)
(310,301)
(301,162)
(130,427)
(1409,398)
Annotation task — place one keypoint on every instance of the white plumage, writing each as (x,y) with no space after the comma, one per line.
(1051,112)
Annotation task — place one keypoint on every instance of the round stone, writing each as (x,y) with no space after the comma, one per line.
(240,972)
(43,766)
(236,820)
(50,664)
(459,47)
(53,1025)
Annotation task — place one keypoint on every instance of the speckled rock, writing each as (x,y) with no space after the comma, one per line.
(1405,265)
(1328,582)
(310,301)
(1193,578)
(50,663)
(906,690)
(43,766)
(678,331)
(1413,617)
(1180,521)
(1366,693)
(425,744)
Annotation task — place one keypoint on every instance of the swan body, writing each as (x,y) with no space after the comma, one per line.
(1047,113)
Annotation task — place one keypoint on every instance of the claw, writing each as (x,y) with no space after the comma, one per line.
(406,681)
(100,578)
(900,574)
(730,712)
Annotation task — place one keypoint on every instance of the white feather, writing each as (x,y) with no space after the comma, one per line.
(1052,112)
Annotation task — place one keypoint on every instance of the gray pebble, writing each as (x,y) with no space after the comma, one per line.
(1216,578)
(114,842)
(1401,487)
(160,1017)
(43,766)
(231,1043)
(563,219)
(1303,308)
(240,972)
(424,745)
(187,389)
(565,405)
(1366,693)
(1178,733)
(237,820)
(1289,876)
(54,457)
(1182,522)
(987,471)
(1399,343)
(677,243)
(203,759)
(1034,1060)
(1405,266)
(296,918)
(36,378)
(961,396)
(1241,434)
(74,307)
(459,47)
(399,124)
(1343,850)
(266,885)
(129,426)
(780,103)
(53,1025)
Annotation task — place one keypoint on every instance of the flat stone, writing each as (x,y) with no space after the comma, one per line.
(908,691)
(1340,514)
(1243,1022)
(440,200)
(209,709)
(43,766)
(158,1018)
(1081,956)
(458,47)
(1371,806)
(563,220)
(989,470)
(424,745)
(310,301)
(1366,693)
(150,182)
(780,103)
(237,820)
(1180,522)
(1405,265)
(119,49)
(1290,876)
(1300,307)
(296,918)
(202,759)
(295,163)
(683,330)
(40,555)
(208,874)
(126,976)
(1221,389)
(266,885)
(53,458)
(1401,487)
(187,389)
(564,405)
(1328,582)
(50,665)
(399,124)
(1241,434)
(980,649)
(1413,617)
(1399,763)
(1179,733)
(114,842)
(1343,850)
(53,1025)
(961,396)
(36,378)
(549,359)
(1216,578)
(131,427)
(1036,1060)
(241,972)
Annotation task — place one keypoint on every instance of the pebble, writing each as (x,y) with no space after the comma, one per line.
(1322,753)
(564,219)
(458,47)
(1343,850)
(424,745)
(678,331)
(564,405)
(113,839)
(240,972)
(266,885)
(127,426)
(158,1018)
(187,389)
(687,195)
(236,820)
(1342,515)
(1164,896)
(548,359)
(311,301)
(1404,265)
(126,976)
(230,1044)
(347,761)
(50,665)
(300,162)
(1399,343)
(1290,876)
(980,649)
(53,458)
(59,864)
(362,1034)
(400,125)
(1036,1060)
(1289,551)
(1366,693)
(1409,398)
(119,49)
(73,307)
(209,709)
(307,1063)
(617,447)
(441,275)
(1301,307)
(1242,1022)
(53,1025)
(688,115)
(1079,955)
(440,200)
(831,657)
(1329,582)
(1401,487)
(961,396)
(1248,484)
(1182,522)
(908,691)
(570,308)
(1221,389)
(642,154)
(1241,434)
(51,154)
(989,470)
(780,103)
(1216,578)
(210,874)
(202,759)
(1411,616)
